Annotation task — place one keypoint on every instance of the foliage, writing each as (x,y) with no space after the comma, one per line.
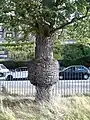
(80,31)
(75,51)
(27,15)
(20,51)
(45,17)
(68,54)
(64,52)
(57,49)
(13,64)
(42,18)
(67,51)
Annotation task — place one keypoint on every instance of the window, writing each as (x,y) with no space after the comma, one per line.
(3,67)
(9,35)
(1,35)
(21,69)
(1,32)
(81,68)
(1,74)
(71,69)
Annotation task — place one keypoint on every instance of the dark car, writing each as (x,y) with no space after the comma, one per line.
(75,72)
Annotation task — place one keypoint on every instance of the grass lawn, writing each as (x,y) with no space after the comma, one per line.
(68,108)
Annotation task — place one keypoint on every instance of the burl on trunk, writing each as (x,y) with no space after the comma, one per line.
(44,70)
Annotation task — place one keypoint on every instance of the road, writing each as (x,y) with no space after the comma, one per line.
(63,87)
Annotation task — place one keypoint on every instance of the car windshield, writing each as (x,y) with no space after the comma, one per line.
(70,69)
(3,67)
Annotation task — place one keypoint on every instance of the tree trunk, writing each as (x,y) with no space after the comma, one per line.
(44,71)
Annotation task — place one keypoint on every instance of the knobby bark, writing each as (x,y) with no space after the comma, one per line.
(44,70)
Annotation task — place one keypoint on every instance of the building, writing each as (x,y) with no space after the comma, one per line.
(3,52)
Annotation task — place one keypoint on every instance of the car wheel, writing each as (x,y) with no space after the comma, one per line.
(86,76)
(9,77)
(60,77)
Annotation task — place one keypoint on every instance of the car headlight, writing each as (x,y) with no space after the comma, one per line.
(4,73)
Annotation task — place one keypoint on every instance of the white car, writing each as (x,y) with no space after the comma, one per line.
(4,72)
(19,73)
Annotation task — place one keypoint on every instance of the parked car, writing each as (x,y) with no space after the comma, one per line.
(75,72)
(3,68)
(20,73)
(4,73)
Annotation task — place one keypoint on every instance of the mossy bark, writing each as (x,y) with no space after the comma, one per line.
(44,71)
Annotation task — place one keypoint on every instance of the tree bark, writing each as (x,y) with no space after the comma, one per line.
(44,70)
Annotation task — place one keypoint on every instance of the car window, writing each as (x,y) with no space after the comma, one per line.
(21,69)
(81,68)
(24,69)
(3,67)
(71,69)
(1,74)
(17,69)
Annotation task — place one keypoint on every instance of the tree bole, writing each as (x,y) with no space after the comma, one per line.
(44,70)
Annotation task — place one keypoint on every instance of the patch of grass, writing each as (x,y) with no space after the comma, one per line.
(68,108)
(6,115)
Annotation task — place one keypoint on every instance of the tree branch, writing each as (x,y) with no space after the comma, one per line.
(72,21)
(58,1)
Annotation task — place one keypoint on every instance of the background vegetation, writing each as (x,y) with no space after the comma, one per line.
(20,54)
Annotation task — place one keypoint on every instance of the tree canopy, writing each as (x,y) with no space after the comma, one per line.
(42,18)
(39,16)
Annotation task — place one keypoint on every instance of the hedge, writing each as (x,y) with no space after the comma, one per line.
(11,64)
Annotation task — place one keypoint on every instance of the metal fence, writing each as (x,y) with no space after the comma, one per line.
(21,85)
